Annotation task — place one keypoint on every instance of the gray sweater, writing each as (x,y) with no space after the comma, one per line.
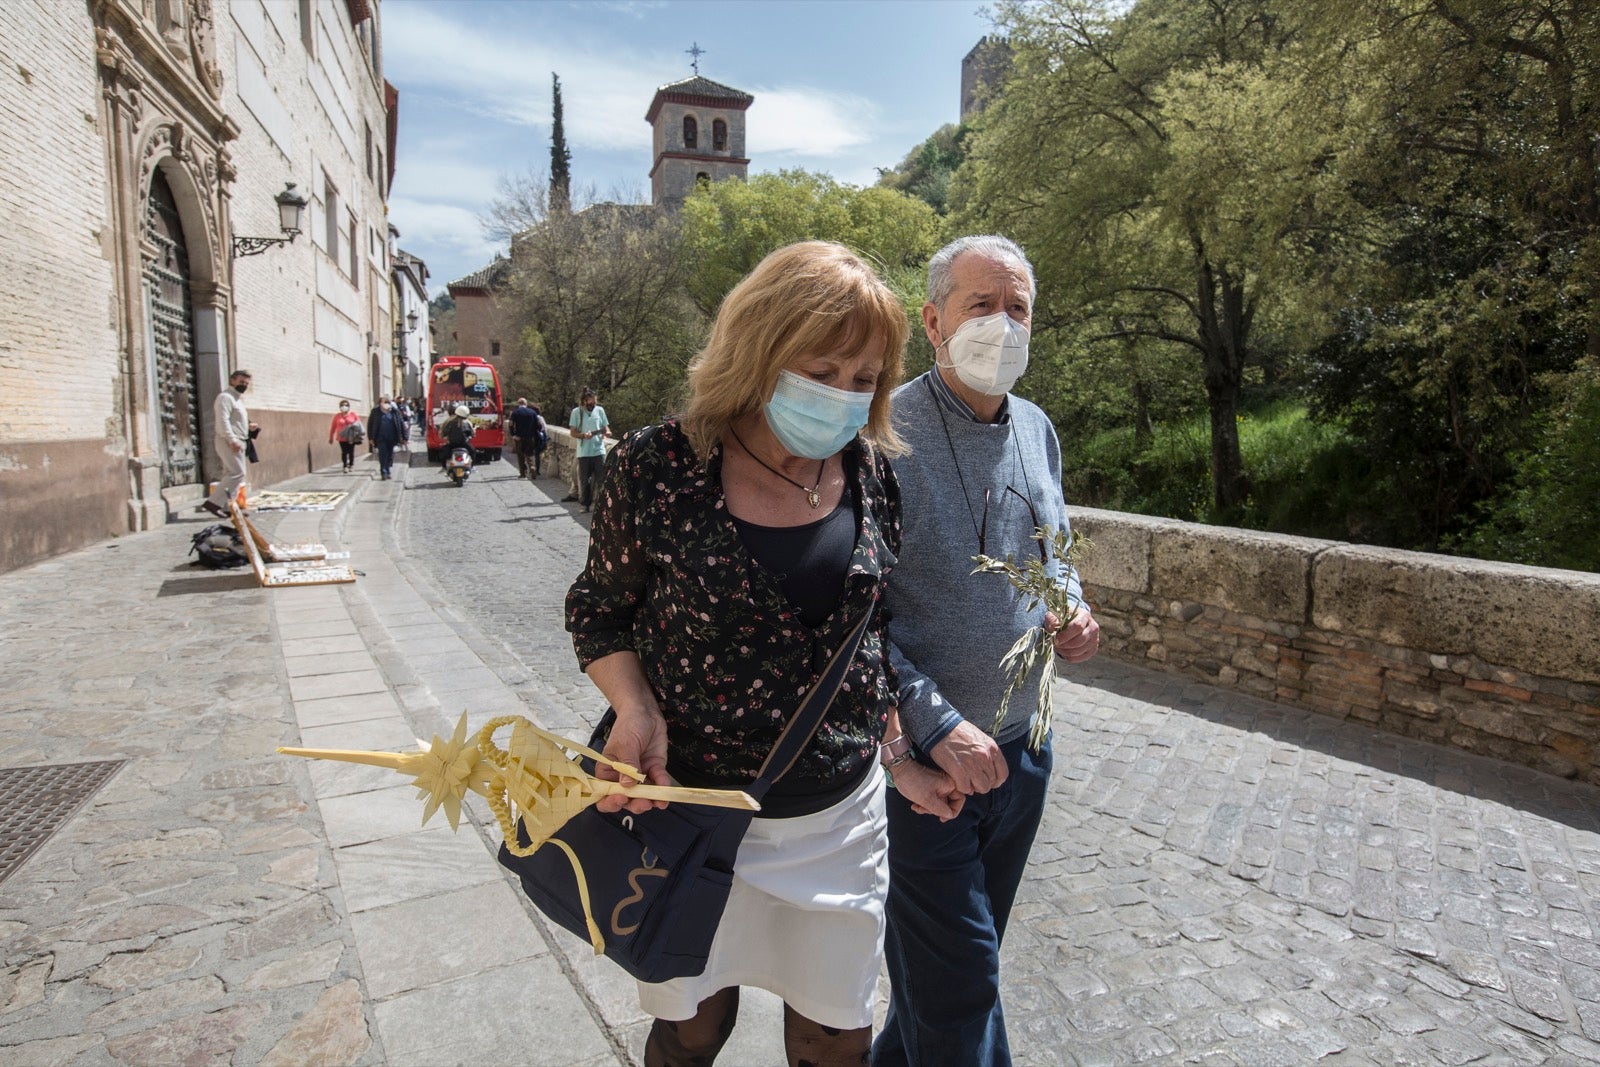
(948,627)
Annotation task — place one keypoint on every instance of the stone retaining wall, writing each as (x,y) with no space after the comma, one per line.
(1493,658)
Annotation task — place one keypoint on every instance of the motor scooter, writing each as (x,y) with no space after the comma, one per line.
(459,465)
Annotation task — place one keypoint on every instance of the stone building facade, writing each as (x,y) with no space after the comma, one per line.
(413,344)
(485,326)
(145,136)
(697,135)
(983,71)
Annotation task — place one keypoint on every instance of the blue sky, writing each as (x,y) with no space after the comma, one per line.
(841,87)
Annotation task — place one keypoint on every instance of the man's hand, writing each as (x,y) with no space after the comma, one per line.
(931,792)
(972,759)
(236,446)
(639,739)
(1078,640)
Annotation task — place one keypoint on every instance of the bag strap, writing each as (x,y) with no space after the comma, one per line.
(803,723)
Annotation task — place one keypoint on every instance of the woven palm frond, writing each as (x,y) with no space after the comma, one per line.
(538,774)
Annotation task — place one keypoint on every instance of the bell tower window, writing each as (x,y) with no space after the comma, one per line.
(719,135)
(691,132)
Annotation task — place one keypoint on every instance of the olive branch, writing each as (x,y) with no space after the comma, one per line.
(1033,583)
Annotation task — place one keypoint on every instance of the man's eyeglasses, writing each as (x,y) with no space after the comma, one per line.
(983,532)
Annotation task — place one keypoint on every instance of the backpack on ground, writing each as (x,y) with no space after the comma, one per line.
(218,547)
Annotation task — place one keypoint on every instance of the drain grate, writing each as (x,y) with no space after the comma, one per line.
(35,802)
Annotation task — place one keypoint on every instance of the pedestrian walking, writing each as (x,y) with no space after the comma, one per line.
(346,429)
(232,430)
(705,633)
(388,431)
(589,429)
(984,470)
(528,431)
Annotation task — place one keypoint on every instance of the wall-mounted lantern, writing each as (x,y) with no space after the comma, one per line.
(291,211)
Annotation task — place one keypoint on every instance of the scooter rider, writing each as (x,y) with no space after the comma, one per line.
(457,432)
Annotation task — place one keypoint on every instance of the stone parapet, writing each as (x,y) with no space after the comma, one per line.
(1493,658)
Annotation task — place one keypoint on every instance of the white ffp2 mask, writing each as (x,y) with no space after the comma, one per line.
(988,354)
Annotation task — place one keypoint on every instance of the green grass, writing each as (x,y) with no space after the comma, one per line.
(1306,477)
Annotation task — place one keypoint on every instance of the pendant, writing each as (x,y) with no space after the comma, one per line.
(813,498)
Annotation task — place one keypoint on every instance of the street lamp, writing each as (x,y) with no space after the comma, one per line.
(291,210)
(401,364)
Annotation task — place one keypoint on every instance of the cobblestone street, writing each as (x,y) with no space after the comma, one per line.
(1219,880)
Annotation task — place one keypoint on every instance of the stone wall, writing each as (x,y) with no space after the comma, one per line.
(63,460)
(1494,658)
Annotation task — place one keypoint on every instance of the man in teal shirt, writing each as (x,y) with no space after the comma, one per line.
(589,427)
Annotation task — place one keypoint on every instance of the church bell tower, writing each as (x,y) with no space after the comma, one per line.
(698,136)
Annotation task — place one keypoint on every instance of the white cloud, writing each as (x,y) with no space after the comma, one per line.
(445,235)
(443,174)
(507,76)
(604,95)
(808,122)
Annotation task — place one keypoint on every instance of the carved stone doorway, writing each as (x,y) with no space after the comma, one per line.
(167,285)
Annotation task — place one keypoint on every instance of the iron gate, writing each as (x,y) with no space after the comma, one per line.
(172,333)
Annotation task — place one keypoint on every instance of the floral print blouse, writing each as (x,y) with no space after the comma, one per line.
(669,578)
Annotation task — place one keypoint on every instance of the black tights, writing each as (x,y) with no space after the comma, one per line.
(695,1042)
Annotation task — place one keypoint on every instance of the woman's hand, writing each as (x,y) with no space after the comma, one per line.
(638,738)
(931,792)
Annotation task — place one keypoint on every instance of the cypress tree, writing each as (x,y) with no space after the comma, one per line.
(560,157)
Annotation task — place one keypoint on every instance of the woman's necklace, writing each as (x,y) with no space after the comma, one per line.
(813,497)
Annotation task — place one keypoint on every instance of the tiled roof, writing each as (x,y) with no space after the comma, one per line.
(698,86)
(487,278)
(698,90)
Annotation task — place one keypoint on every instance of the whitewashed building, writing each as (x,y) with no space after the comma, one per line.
(151,145)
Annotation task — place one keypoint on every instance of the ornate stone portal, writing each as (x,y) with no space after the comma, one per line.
(160,110)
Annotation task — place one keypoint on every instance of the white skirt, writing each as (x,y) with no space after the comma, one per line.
(804,917)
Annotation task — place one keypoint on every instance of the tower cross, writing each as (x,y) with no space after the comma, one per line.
(696,51)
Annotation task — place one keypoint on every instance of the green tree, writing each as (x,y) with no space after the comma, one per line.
(1471,176)
(1547,515)
(599,296)
(728,227)
(1145,159)
(560,155)
(926,171)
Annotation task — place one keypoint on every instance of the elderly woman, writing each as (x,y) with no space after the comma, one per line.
(733,549)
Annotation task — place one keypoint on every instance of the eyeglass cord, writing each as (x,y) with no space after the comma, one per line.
(938,405)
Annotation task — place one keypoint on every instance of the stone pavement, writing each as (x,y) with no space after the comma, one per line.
(1218,880)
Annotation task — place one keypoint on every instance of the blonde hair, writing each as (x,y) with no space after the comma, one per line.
(806,298)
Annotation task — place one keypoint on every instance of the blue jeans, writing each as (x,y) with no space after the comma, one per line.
(951,886)
(385,458)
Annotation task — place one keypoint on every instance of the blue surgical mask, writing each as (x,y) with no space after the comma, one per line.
(812,420)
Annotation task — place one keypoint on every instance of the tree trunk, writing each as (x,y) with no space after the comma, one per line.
(1230,487)
(1225,316)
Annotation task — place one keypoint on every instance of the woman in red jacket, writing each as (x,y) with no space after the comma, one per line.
(346,429)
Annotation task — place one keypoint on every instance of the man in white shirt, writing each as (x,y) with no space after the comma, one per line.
(232,428)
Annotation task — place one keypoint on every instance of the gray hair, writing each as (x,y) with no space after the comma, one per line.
(989,245)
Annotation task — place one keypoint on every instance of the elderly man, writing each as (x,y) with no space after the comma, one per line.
(527,426)
(231,428)
(984,471)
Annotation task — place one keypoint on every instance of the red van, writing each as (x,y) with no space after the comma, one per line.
(468,380)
